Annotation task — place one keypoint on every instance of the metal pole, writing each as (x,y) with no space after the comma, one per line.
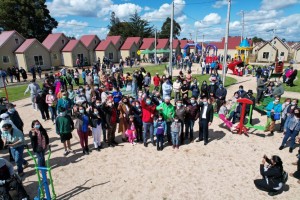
(155,52)
(202,51)
(196,40)
(226,43)
(243,25)
(171,41)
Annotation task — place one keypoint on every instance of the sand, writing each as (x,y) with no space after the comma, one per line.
(224,169)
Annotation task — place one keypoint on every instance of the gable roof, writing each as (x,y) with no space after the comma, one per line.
(26,45)
(113,39)
(129,42)
(71,45)
(184,42)
(161,43)
(103,45)
(88,39)
(284,44)
(297,47)
(265,45)
(175,43)
(147,42)
(51,39)
(6,35)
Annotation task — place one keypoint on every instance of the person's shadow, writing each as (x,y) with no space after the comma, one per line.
(215,135)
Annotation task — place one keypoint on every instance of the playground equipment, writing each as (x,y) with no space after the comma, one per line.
(213,57)
(43,183)
(241,128)
(248,125)
(189,45)
(233,64)
(244,48)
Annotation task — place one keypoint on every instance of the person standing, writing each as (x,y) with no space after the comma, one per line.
(148,111)
(192,114)
(180,111)
(156,81)
(14,116)
(96,122)
(176,130)
(64,128)
(261,87)
(51,101)
(23,73)
(177,89)
(14,139)
(205,120)
(83,75)
(111,121)
(166,88)
(64,103)
(39,71)
(220,96)
(33,87)
(160,129)
(82,125)
(124,108)
(273,114)
(137,112)
(40,100)
(39,141)
(33,72)
(195,88)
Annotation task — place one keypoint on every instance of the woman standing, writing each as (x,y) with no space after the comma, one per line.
(82,126)
(39,141)
(96,122)
(51,101)
(273,113)
(125,110)
(76,77)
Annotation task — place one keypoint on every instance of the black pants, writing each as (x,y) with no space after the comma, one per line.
(182,132)
(4,190)
(160,140)
(261,184)
(111,133)
(44,112)
(260,94)
(203,132)
(219,104)
(139,131)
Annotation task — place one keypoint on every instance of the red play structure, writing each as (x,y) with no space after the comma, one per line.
(241,127)
(232,66)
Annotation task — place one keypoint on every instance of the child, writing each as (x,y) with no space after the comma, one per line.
(131,131)
(176,132)
(222,114)
(160,130)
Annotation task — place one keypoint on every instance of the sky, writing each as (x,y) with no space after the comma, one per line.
(196,17)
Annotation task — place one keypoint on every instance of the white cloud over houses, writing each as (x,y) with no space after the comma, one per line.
(100,32)
(209,20)
(220,3)
(181,19)
(277,4)
(123,11)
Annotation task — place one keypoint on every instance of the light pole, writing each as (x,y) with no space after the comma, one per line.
(171,42)
(226,43)
(155,53)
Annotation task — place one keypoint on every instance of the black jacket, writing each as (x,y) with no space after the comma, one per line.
(209,112)
(41,101)
(16,119)
(273,174)
(34,139)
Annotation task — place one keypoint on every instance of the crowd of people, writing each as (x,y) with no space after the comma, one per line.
(111,102)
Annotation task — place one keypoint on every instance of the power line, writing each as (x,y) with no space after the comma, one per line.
(206,2)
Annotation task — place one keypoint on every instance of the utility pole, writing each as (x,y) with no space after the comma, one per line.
(196,40)
(171,42)
(155,50)
(226,43)
(273,36)
(243,25)
(202,51)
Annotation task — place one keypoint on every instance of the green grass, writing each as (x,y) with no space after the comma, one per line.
(15,93)
(294,88)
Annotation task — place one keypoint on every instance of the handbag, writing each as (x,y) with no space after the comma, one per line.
(90,132)
(276,116)
(78,124)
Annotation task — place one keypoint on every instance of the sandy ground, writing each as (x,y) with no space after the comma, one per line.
(224,169)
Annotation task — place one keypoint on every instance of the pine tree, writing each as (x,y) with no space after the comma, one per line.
(166,27)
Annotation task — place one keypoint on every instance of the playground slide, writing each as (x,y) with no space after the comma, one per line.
(233,64)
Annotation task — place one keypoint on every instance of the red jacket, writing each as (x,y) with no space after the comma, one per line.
(156,81)
(147,111)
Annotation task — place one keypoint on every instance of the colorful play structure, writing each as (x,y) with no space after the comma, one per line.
(188,46)
(243,51)
(43,185)
(209,58)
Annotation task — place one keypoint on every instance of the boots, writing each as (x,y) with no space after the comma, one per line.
(87,151)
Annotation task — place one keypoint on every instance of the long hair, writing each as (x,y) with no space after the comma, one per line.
(34,121)
(278,162)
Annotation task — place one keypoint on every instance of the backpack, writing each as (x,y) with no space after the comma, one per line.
(285,177)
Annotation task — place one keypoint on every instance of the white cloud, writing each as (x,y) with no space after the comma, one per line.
(220,3)
(101,32)
(209,20)
(164,11)
(181,19)
(146,8)
(235,25)
(123,11)
(262,15)
(72,24)
(277,4)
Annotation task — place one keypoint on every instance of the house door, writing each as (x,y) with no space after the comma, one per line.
(80,56)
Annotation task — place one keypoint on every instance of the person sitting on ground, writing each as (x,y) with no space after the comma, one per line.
(268,92)
(271,181)
(278,89)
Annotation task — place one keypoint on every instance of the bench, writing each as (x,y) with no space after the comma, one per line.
(262,108)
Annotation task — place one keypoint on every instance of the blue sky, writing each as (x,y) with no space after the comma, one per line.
(196,17)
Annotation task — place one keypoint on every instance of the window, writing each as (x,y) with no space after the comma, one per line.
(111,56)
(133,54)
(5,59)
(38,60)
(95,41)
(266,55)
(17,41)
(63,41)
(282,54)
(55,56)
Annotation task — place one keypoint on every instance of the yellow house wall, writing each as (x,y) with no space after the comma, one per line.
(79,49)
(58,60)
(68,60)
(281,48)
(297,56)
(100,54)
(21,61)
(56,49)
(267,48)
(37,50)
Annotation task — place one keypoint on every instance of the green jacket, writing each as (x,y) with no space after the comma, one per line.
(64,125)
(168,111)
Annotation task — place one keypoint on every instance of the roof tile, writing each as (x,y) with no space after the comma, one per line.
(25,45)
(129,42)
(147,42)
(51,40)
(162,43)
(70,46)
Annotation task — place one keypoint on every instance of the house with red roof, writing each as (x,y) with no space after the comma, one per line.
(110,48)
(91,42)
(148,43)
(74,50)
(55,42)
(130,47)
(176,46)
(33,53)
(9,42)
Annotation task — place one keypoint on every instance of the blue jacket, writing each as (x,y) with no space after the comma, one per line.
(276,107)
(288,122)
(157,124)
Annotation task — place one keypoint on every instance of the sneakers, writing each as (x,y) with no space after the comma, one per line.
(291,150)
(66,153)
(281,147)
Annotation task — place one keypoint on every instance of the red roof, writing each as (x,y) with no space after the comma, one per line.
(162,43)
(175,43)
(113,39)
(147,42)
(51,39)
(184,42)
(104,43)
(25,45)
(70,46)
(4,36)
(87,39)
(129,42)
(233,42)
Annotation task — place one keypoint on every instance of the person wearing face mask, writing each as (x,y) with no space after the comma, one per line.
(117,96)
(184,88)
(168,111)
(71,94)
(292,106)
(40,100)
(39,141)
(212,88)
(111,122)
(291,129)
(204,90)
(96,123)
(278,89)
(160,129)
(64,103)
(137,113)
(33,87)
(250,96)
(148,112)
(192,114)
(64,127)
(177,88)
(261,87)
(221,94)
(124,108)
(156,81)
(205,120)
(82,125)
(166,88)
(88,93)
(51,101)
(176,131)
(273,114)
(14,139)
(284,113)
(14,116)
(180,113)
(241,92)
(195,88)
(80,99)
(234,108)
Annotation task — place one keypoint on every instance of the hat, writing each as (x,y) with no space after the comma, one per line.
(167,98)
(4,116)
(250,92)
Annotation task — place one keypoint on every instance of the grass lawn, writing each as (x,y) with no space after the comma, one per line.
(15,92)
(295,88)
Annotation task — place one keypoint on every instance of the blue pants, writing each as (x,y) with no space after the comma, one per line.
(41,158)
(160,140)
(148,127)
(175,138)
(53,113)
(17,153)
(189,129)
(134,90)
(290,134)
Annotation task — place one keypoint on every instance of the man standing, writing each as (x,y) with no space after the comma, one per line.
(261,87)
(148,110)
(220,96)
(33,87)
(111,121)
(14,116)
(192,115)
(166,88)
(156,81)
(205,120)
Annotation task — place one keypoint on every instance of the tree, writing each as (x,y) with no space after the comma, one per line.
(256,39)
(166,27)
(31,19)
(140,27)
(120,28)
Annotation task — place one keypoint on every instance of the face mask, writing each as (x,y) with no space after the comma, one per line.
(177,81)
(293,103)
(176,120)
(96,113)
(109,104)
(287,103)
(205,102)
(11,110)
(220,86)
(240,89)
(98,104)
(37,126)
(137,106)
(50,92)
(64,97)
(160,119)
(40,93)
(212,83)
(125,101)
(80,89)
(236,97)
(69,90)
(179,104)
(204,83)
(148,102)
(87,88)
(81,111)
(192,101)
(5,132)
(95,88)
(140,94)
(276,101)
(62,114)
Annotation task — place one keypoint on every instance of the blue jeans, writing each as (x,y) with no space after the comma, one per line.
(290,134)
(203,69)
(160,140)
(41,158)
(189,129)
(175,138)
(53,113)
(134,90)
(17,153)
(148,127)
